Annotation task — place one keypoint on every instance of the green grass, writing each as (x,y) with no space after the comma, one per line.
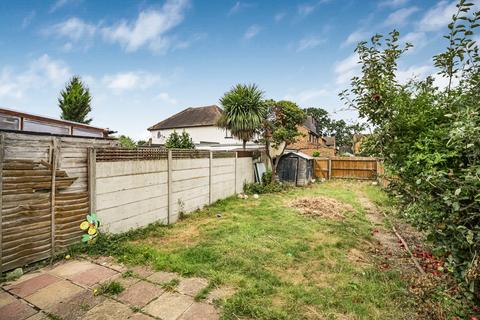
(282,265)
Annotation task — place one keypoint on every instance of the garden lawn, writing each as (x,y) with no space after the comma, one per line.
(282,264)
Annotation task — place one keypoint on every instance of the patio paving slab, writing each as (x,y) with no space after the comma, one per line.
(191,286)
(56,293)
(140,316)
(109,310)
(67,269)
(17,310)
(139,294)
(126,282)
(169,306)
(142,271)
(32,285)
(77,306)
(111,263)
(92,276)
(6,298)
(200,311)
(162,277)
(39,316)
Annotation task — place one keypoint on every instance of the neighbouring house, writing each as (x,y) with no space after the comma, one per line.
(13,120)
(200,124)
(330,141)
(310,141)
(295,168)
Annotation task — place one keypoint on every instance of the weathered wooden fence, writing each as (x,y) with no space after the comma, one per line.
(36,219)
(363,168)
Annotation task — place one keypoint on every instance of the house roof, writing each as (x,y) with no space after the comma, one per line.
(191,117)
(329,141)
(310,124)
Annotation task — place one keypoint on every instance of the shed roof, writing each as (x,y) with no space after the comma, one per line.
(300,154)
(191,117)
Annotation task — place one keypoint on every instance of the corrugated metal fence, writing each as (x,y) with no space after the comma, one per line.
(363,168)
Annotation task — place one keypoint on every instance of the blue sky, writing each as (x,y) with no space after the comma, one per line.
(145,60)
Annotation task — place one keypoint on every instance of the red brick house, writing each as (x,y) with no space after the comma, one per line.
(310,141)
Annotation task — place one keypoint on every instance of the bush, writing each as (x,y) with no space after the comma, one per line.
(266,186)
(316,153)
(429,138)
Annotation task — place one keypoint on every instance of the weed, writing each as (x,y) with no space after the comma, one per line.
(128,274)
(111,288)
(170,285)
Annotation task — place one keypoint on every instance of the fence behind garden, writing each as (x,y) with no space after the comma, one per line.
(138,187)
(362,168)
(36,220)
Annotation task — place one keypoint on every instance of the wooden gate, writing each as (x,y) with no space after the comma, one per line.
(363,168)
(38,220)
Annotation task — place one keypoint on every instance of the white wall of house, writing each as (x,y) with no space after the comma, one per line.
(206,134)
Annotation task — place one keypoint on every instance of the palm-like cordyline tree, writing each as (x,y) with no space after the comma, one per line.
(244,111)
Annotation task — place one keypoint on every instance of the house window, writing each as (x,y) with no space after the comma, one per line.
(9,122)
(39,126)
(228,134)
(159,134)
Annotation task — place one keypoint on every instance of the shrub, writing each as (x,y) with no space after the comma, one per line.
(266,186)
(316,153)
(429,138)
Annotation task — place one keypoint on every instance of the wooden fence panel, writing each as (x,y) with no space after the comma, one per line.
(321,168)
(362,168)
(44,195)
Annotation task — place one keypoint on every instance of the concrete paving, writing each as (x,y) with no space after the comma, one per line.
(68,290)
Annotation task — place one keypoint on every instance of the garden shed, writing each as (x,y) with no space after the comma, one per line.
(295,168)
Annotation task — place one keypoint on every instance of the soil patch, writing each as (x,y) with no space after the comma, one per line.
(322,207)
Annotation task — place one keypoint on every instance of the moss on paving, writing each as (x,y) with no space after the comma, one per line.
(283,265)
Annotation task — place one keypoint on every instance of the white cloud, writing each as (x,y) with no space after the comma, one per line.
(41,72)
(400,17)
(132,80)
(252,31)
(306,9)
(346,69)
(239,6)
(73,28)
(27,20)
(279,16)
(149,29)
(61,3)
(392,3)
(438,17)
(307,96)
(309,43)
(414,72)
(355,37)
(165,97)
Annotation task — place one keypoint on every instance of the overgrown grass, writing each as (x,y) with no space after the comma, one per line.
(282,265)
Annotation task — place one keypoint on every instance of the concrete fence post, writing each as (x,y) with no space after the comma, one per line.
(236,179)
(210,173)
(169,185)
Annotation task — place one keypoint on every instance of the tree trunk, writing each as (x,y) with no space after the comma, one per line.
(244,145)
